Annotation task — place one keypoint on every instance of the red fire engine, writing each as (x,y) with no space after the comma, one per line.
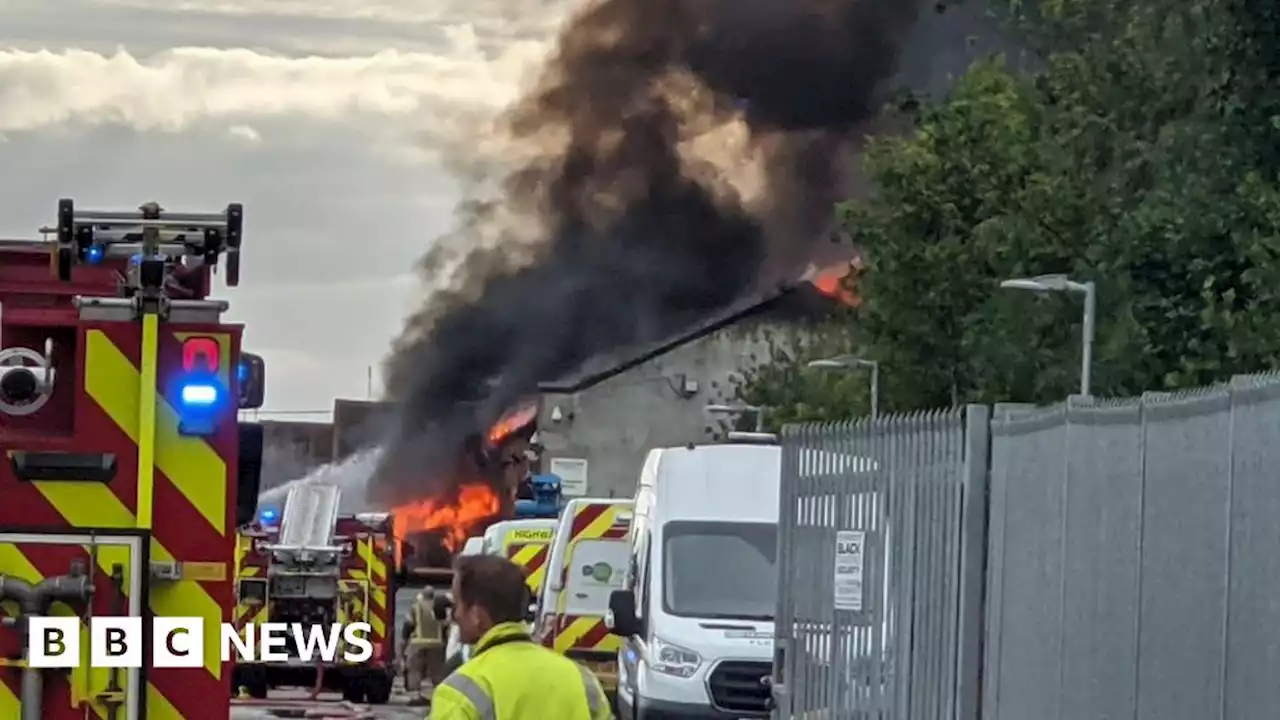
(126,471)
(314,566)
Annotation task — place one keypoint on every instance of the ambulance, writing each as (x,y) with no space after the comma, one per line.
(588,562)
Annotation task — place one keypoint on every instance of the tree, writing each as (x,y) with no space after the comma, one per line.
(791,391)
(1142,156)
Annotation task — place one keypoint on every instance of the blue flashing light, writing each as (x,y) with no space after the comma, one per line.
(94,254)
(199,395)
(242,372)
(269,516)
(201,401)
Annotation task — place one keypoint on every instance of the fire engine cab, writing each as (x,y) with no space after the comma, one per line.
(126,471)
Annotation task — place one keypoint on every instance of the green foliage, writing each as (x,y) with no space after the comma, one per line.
(792,392)
(1142,156)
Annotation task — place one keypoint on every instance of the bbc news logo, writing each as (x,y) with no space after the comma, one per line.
(117,642)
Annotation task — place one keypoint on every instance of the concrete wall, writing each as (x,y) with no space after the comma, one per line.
(613,424)
(357,424)
(292,449)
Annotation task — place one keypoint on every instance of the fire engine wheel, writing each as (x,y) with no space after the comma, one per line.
(377,689)
(257,688)
(353,691)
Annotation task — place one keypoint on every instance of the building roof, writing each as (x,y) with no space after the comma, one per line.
(603,367)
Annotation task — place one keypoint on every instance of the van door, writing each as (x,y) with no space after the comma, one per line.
(594,569)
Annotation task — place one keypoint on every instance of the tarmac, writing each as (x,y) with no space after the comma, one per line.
(296,704)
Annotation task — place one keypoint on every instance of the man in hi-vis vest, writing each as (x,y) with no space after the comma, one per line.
(424,648)
(509,676)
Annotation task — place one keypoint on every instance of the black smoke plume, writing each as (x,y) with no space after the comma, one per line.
(635,234)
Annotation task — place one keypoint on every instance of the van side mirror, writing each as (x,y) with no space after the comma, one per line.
(251,378)
(621,619)
(248,472)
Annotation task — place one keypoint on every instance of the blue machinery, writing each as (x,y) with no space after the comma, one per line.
(546,501)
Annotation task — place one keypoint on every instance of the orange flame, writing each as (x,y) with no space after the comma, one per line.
(834,282)
(475,503)
(511,422)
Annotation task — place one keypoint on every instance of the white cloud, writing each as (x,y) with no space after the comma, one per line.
(172,89)
(244,132)
(501,16)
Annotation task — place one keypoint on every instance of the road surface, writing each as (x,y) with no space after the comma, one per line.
(294,704)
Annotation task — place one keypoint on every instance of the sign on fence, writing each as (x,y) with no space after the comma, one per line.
(850,545)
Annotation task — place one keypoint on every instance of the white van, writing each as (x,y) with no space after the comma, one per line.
(696,617)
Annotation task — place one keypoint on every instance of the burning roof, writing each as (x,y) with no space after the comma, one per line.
(479,492)
(834,281)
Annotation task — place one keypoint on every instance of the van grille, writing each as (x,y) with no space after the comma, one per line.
(737,686)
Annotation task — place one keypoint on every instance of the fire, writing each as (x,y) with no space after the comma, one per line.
(511,422)
(834,282)
(475,503)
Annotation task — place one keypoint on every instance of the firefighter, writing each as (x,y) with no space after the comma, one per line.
(509,676)
(424,647)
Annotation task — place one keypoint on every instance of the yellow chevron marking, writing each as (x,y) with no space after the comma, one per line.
(87,504)
(377,593)
(84,680)
(159,707)
(9,705)
(186,598)
(191,464)
(569,638)
(377,567)
(600,525)
(183,598)
(525,555)
(377,597)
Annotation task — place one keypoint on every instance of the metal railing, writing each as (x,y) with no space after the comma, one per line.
(1095,559)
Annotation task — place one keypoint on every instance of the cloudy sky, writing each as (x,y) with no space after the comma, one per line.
(326,118)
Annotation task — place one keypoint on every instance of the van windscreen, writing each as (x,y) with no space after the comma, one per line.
(720,570)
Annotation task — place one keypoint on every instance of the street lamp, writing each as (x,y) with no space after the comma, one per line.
(1062,283)
(739,410)
(849,362)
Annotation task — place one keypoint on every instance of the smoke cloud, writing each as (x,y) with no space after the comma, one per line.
(672,156)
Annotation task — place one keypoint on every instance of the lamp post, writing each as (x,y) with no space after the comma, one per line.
(849,362)
(739,410)
(1062,283)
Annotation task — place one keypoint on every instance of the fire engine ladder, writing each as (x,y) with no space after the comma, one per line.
(309,520)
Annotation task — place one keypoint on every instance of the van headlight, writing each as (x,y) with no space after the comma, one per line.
(670,659)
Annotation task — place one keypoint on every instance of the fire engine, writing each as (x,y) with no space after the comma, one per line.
(126,471)
(315,566)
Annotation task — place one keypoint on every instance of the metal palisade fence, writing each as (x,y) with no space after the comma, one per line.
(879,567)
(1097,559)
(1135,558)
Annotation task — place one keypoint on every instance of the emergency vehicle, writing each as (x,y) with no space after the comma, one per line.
(252,561)
(588,562)
(526,543)
(319,566)
(126,472)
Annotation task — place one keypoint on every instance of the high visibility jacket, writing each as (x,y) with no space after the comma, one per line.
(511,677)
(426,628)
